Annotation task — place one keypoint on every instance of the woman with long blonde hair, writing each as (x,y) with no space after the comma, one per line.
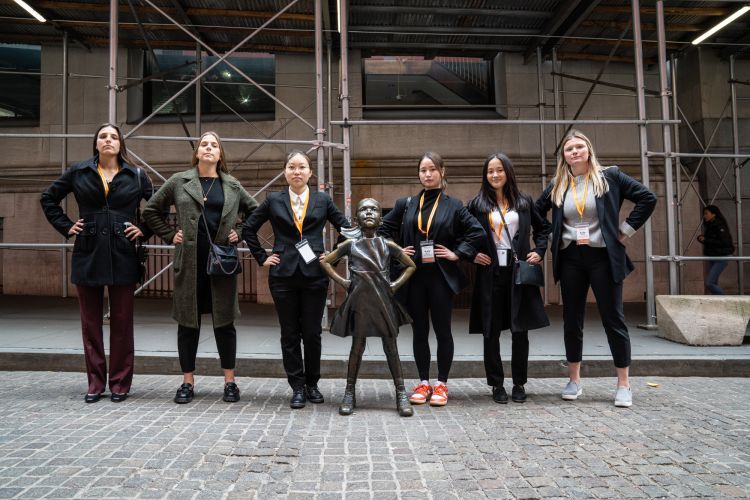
(588,251)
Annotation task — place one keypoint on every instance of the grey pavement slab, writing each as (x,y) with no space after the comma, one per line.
(44,333)
(684,437)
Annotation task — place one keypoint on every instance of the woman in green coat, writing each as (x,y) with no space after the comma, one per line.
(211,206)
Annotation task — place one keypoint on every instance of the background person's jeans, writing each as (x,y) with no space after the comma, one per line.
(715,268)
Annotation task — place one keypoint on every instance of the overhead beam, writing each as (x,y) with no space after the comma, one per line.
(580,56)
(449,11)
(618,25)
(443,30)
(399,47)
(672,11)
(560,16)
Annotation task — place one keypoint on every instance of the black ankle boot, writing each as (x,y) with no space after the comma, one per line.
(349,401)
(402,402)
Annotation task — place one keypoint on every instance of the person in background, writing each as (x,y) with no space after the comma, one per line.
(108,190)
(588,251)
(436,231)
(210,205)
(717,242)
(508,217)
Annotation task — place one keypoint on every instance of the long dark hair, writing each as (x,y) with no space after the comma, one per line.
(122,156)
(719,216)
(437,160)
(486,200)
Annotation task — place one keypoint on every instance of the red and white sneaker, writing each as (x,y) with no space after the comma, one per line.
(439,395)
(421,394)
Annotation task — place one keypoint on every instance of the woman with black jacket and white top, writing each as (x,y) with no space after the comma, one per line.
(108,190)
(717,242)
(508,217)
(588,251)
(435,230)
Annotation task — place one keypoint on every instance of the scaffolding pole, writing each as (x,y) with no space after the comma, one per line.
(737,175)
(643,135)
(678,174)
(542,146)
(344,90)
(666,134)
(64,153)
(114,10)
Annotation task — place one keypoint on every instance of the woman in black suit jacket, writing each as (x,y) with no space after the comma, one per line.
(588,250)
(497,302)
(298,284)
(435,230)
(108,191)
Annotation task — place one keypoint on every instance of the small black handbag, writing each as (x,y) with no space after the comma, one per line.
(223,260)
(523,272)
(141,252)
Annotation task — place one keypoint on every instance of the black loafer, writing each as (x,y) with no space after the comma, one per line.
(499,395)
(92,398)
(313,394)
(518,394)
(231,392)
(184,394)
(118,398)
(298,399)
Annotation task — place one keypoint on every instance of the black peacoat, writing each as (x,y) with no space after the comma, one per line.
(453,227)
(277,209)
(527,306)
(621,187)
(102,254)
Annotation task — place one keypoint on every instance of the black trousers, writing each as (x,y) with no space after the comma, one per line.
(582,267)
(493,364)
(187,345)
(430,297)
(299,303)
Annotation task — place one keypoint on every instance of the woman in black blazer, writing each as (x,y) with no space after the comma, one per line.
(108,191)
(507,216)
(435,230)
(588,250)
(298,284)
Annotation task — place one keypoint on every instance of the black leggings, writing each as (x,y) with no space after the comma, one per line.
(431,297)
(187,345)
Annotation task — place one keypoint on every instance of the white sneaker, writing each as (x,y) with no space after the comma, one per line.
(623,397)
(572,391)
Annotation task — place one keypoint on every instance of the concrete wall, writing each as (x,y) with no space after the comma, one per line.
(384,157)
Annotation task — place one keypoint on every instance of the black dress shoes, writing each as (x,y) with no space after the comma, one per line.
(298,399)
(313,394)
(92,398)
(499,395)
(231,392)
(184,394)
(518,394)
(118,398)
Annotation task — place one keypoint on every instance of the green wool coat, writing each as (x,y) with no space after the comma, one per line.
(183,190)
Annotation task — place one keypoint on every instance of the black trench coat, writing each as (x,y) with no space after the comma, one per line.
(102,254)
(527,307)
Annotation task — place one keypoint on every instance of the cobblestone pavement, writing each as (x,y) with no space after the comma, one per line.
(688,437)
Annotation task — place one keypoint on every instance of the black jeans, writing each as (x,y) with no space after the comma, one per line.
(431,297)
(299,303)
(187,345)
(493,363)
(582,267)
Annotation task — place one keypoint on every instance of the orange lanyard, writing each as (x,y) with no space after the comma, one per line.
(499,230)
(298,221)
(104,180)
(582,206)
(426,232)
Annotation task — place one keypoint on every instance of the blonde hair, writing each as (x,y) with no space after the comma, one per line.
(222,163)
(563,176)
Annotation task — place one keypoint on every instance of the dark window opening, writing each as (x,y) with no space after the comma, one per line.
(20,84)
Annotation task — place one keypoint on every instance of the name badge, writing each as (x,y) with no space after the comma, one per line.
(502,256)
(304,249)
(428,251)
(582,233)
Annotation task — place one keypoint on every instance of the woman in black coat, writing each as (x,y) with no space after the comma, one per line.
(108,191)
(588,251)
(507,216)
(297,282)
(717,242)
(435,230)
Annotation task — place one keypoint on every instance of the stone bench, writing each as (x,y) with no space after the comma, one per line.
(703,319)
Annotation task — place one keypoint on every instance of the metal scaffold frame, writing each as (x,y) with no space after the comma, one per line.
(672,118)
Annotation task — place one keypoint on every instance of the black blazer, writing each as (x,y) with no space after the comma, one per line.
(278,210)
(621,187)
(453,227)
(102,254)
(526,305)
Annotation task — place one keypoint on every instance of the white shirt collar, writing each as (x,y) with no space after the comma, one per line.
(303,196)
